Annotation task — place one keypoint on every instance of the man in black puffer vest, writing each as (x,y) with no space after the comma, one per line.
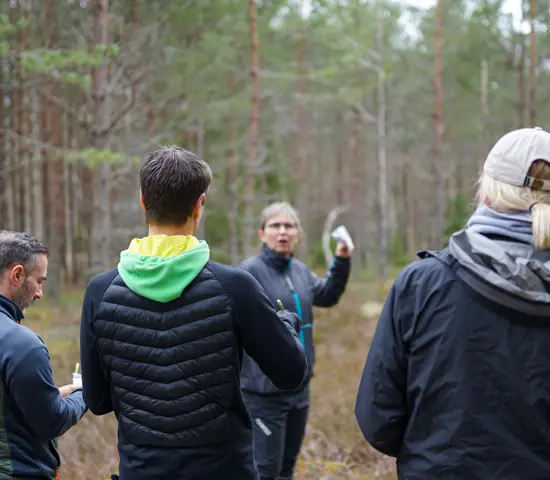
(162,339)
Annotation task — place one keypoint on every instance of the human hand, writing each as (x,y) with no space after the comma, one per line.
(342,250)
(66,390)
(292,320)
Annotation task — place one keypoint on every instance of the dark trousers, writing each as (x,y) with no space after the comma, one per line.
(279,423)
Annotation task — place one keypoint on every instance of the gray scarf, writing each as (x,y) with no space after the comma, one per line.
(513,225)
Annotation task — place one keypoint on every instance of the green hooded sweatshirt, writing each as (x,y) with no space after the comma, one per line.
(160,267)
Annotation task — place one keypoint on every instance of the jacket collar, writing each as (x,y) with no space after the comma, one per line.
(11,309)
(271,257)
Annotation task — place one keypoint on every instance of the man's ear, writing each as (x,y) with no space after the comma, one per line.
(17,276)
(199,206)
(261,234)
(141,202)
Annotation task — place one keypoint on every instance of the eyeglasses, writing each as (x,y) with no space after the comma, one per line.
(277,226)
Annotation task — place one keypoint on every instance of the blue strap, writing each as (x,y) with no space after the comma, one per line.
(298,309)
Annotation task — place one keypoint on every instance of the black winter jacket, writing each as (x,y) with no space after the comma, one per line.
(170,371)
(299,289)
(457,379)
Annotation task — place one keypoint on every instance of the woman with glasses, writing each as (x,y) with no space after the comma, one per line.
(279,417)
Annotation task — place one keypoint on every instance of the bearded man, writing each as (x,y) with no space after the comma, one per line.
(33,411)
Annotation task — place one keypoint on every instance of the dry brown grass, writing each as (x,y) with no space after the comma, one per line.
(333,448)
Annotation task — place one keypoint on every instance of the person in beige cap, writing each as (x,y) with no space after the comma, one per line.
(457,378)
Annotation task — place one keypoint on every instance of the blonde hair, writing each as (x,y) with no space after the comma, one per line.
(503,197)
(277,208)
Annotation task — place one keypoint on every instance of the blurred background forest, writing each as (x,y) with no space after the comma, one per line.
(372,113)
(378,109)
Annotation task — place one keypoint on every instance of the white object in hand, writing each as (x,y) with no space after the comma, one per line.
(341,234)
(77,379)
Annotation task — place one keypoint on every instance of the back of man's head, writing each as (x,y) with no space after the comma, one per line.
(172,180)
(19,248)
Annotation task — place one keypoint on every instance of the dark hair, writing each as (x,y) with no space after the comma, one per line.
(19,248)
(171,180)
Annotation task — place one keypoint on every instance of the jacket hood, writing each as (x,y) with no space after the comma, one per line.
(512,267)
(161,267)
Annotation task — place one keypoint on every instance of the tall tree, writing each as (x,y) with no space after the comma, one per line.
(3,174)
(521,82)
(253,132)
(300,148)
(233,176)
(56,191)
(20,171)
(382,166)
(440,197)
(45,128)
(532,64)
(100,245)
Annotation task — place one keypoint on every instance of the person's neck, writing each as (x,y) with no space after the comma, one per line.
(186,229)
(5,292)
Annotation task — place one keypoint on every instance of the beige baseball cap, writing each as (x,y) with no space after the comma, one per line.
(514,153)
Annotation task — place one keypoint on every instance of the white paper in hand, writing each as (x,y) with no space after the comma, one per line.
(341,234)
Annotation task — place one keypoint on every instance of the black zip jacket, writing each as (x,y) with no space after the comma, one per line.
(299,289)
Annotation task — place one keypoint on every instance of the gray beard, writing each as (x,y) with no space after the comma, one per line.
(22,299)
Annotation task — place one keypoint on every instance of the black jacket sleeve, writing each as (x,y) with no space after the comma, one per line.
(96,385)
(381,400)
(32,386)
(271,341)
(327,291)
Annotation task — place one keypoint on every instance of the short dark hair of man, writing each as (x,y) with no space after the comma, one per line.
(171,180)
(19,248)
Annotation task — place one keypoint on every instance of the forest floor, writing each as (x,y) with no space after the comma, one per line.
(333,448)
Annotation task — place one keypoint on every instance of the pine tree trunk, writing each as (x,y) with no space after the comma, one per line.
(521,84)
(3,174)
(201,232)
(300,153)
(249,219)
(56,193)
(233,171)
(45,131)
(382,162)
(532,65)
(19,185)
(35,174)
(100,214)
(440,198)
